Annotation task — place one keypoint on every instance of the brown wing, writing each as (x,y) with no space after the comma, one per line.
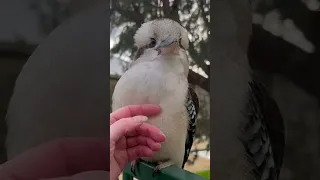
(194,98)
(192,107)
(264,131)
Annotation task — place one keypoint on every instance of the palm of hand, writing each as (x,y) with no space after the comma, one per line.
(131,137)
(120,158)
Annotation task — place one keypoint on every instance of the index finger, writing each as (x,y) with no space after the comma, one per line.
(134,110)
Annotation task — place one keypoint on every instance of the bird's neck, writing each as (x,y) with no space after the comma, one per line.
(178,65)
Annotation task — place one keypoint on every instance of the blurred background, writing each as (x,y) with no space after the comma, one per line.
(284,50)
(23,25)
(127,16)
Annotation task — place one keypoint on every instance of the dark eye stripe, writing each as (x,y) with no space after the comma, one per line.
(180,44)
(152,43)
(140,52)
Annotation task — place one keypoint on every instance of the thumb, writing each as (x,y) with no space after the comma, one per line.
(124,126)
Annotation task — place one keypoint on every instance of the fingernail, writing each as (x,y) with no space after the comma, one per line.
(140,119)
(162,133)
(144,118)
(159,145)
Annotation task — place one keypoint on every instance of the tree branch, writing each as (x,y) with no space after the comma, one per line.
(199,80)
(166,8)
(174,10)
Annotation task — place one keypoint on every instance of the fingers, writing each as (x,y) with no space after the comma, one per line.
(145,141)
(121,128)
(138,152)
(134,125)
(134,110)
(148,130)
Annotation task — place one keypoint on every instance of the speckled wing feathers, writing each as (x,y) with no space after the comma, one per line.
(263,133)
(192,106)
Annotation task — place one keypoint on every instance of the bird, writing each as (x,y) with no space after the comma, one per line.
(158,75)
(248,134)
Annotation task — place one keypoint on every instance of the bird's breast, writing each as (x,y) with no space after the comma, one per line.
(154,83)
(150,82)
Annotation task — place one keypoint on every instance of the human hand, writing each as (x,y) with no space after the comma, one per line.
(87,158)
(131,138)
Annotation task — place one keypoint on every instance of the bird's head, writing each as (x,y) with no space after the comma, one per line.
(165,36)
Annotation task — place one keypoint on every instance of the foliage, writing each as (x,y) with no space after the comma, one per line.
(205,174)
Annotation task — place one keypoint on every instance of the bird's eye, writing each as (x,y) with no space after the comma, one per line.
(180,44)
(152,43)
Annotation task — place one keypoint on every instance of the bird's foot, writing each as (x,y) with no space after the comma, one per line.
(162,166)
(134,166)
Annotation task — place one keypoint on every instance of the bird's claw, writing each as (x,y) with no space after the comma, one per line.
(134,166)
(161,166)
(156,169)
(133,169)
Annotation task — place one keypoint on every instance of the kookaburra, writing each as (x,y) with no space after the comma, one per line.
(158,75)
(247,133)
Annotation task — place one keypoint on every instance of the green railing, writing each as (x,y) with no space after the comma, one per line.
(144,172)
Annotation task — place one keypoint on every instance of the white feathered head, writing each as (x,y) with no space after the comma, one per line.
(165,36)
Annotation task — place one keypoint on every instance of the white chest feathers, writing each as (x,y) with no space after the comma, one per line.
(163,82)
(158,81)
